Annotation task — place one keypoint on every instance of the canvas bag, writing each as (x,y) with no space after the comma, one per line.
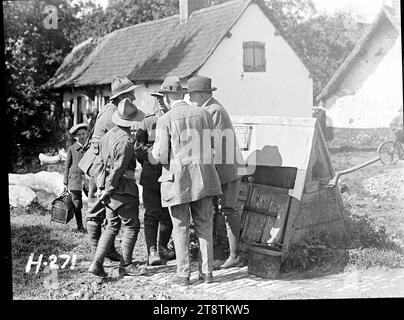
(89,157)
(99,169)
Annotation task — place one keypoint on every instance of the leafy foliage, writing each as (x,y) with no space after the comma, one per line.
(32,55)
(323,41)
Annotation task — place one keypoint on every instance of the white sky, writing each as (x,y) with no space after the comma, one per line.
(367,8)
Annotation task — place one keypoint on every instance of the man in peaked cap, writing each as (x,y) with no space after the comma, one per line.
(188,181)
(200,93)
(118,189)
(121,88)
(74,178)
(157,219)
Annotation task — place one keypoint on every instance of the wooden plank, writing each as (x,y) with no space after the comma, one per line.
(272,214)
(281,177)
(312,186)
(289,234)
(254,224)
(277,230)
(318,208)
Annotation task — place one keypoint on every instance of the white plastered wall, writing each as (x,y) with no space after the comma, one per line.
(285,89)
(377,101)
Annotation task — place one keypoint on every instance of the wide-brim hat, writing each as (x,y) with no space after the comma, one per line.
(120,85)
(172,85)
(200,84)
(127,114)
(157,94)
(77,127)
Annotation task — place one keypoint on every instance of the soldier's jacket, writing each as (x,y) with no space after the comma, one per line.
(117,152)
(146,135)
(231,158)
(74,177)
(102,125)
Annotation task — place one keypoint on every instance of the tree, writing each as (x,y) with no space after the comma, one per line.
(124,13)
(33,52)
(322,41)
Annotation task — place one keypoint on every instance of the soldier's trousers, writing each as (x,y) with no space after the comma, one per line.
(95,211)
(122,209)
(95,216)
(154,216)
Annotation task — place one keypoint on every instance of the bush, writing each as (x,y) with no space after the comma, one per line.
(362,245)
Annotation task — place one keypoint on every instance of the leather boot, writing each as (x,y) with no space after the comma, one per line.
(165,253)
(113,255)
(97,269)
(129,239)
(94,233)
(153,258)
(104,244)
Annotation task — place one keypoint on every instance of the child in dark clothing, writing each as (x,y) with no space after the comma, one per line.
(74,178)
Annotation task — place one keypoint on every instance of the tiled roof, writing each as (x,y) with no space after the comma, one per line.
(152,50)
(346,66)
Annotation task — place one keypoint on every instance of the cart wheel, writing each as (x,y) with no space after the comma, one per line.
(389,152)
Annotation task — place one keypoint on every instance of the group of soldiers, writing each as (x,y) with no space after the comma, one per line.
(181,177)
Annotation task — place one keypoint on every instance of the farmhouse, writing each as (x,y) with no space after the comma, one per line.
(365,93)
(236,43)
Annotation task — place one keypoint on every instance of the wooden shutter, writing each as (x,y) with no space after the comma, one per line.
(248,56)
(259,57)
(254,56)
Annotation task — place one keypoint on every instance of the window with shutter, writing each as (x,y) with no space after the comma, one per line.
(254,56)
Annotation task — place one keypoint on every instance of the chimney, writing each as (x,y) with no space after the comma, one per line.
(188,6)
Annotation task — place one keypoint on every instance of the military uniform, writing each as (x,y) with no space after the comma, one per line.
(155,214)
(75,180)
(117,152)
(96,211)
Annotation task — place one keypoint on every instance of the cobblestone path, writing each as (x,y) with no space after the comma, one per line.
(236,283)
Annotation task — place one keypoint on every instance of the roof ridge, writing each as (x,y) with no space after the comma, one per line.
(145,23)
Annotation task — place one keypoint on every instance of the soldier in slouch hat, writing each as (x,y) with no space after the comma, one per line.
(121,88)
(118,190)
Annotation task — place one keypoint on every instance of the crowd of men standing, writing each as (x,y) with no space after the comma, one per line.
(190,169)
